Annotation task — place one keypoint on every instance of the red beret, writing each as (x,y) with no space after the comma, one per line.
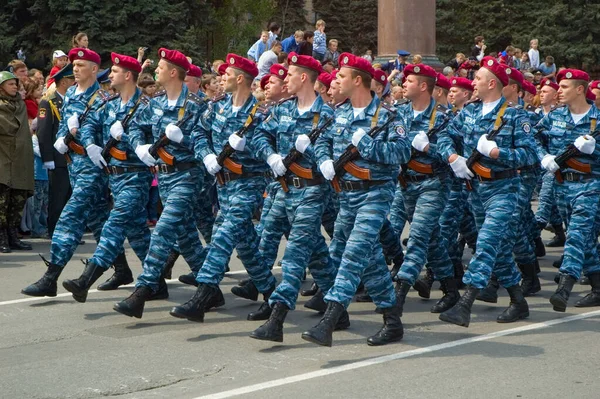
(594,85)
(334,74)
(590,95)
(548,82)
(84,54)
(263,81)
(325,78)
(466,65)
(222,69)
(351,61)
(126,62)
(515,75)
(463,83)
(175,57)
(279,71)
(499,70)
(380,76)
(243,64)
(529,87)
(443,82)
(304,61)
(420,70)
(572,74)
(194,71)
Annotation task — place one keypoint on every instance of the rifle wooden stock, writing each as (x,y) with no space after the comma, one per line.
(76,148)
(233,166)
(284,186)
(579,166)
(118,154)
(357,171)
(420,167)
(165,156)
(300,171)
(558,176)
(402,180)
(481,170)
(336,184)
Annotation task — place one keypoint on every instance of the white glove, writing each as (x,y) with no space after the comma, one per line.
(49,165)
(237,143)
(142,152)
(586,144)
(94,152)
(116,130)
(60,145)
(327,169)
(420,141)
(36,146)
(34,124)
(302,143)
(73,122)
(485,146)
(275,161)
(174,133)
(211,164)
(357,136)
(459,166)
(549,163)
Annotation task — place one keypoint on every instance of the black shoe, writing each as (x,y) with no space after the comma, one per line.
(14,242)
(557,278)
(4,246)
(272,330)
(189,279)
(244,281)
(540,249)
(122,275)
(193,310)
(263,312)
(317,302)
(450,298)
(133,306)
(559,238)
(80,286)
(560,298)
(363,297)
(558,263)
(518,308)
(593,298)
(490,293)
(405,242)
(171,259)
(46,286)
(460,314)
(531,282)
(459,272)
(584,280)
(402,288)
(398,260)
(248,291)
(162,293)
(311,291)
(391,331)
(322,333)
(423,285)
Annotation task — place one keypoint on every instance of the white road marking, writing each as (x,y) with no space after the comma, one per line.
(395,356)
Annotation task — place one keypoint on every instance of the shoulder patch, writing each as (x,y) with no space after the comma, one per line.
(159,93)
(286,99)
(218,98)
(195,98)
(42,113)
(336,106)
(103,94)
(400,131)
(526,126)
(441,108)
(113,97)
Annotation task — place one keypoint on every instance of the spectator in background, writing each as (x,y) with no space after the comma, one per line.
(478,51)
(59,61)
(507,56)
(36,75)
(259,47)
(320,41)
(274,31)
(534,54)
(268,59)
(457,61)
(368,56)
(525,65)
(417,59)
(33,95)
(548,68)
(537,77)
(332,54)
(306,47)
(291,43)
(215,66)
(209,85)
(80,40)
(282,58)
(147,84)
(38,204)
(517,58)
(448,72)
(528,76)
(19,69)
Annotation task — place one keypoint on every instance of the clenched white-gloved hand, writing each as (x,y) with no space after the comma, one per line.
(357,136)
(60,145)
(237,143)
(485,146)
(211,164)
(116,130)
(73,122)
(327,169)
(174,133)
(94,152)
(302,143)
(420,141)
(586,144)
(459,166)
(275,161)
(549,163)
(142,152)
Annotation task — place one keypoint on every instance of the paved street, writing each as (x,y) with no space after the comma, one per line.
(58,348)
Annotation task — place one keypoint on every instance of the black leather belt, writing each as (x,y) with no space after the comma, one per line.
(228,176)
(528,168)
(505,174)
(180,167)
(349,185)
(119,170)
(576,177)
(417,178)
(298,182)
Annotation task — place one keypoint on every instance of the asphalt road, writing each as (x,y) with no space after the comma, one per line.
(58,348)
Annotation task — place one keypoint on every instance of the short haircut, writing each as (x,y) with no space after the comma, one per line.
(366,78)
(579,82)
(275,44)
(282,57)
(145,80)
(319,23)
(33,71)
(332,41)
(312,74)
(550,59)
(247,77)
(206,79)
(308,34)
(533,41)
(181,73)
(479,39)
(274,27)
(510,48)
(17,64)
(514,82)
(299,33)
(429,81)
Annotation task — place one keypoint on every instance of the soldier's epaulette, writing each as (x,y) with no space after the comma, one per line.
(510,104)
(114,96)
(159,93)
(103,94)
(196,98)
(218,98)
(388,108)
(336,106)
(441,108)
(283,100)
(557,107)
(530,108)
(473,101)
(264,108)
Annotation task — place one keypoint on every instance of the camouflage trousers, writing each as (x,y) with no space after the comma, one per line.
(524,220)
(12,203)
(547,211)
(203,207)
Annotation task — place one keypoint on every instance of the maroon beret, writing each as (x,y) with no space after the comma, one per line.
(499,70)
(351,61)
(222,69)
(84,54)
(529,87)
(264,81)
(380,76)
(325,78)
(515,75)
(334,74)
(304,61)
(589,95)
(175,57)
(279,71)
(548,82)
(463,83)
(572,74)
(126,62)
(443,82)
(243,64)
(420,70)
(194,71)
(594,85)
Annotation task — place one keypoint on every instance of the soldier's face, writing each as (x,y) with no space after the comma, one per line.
(84,70)
(10,87)
(548,95)
(528,97)
(230,79)
(162,72)
(192,83)
(412,87)
(481,83)
(118,77)
(345,82)
(569,91)
(294,79)
(276,89)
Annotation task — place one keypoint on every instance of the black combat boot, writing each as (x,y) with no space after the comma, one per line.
(248,291)
(46,286)
(460,314)
(423,285)
(392,329)
(397,261)
(14,242)
(4,245)
(560,298)
(80,286)
(171,259)
(244,281)
(459,272)
(121,276)
(593,298)
(531,282)
(317,302)
(450,298)
(264,311)
(518,308)
(363,297)
(311,291)
(189,279)
(558,263)
(272,330)
(559,238)
(540,249)
(322,333)
(402,288)
(133,306)
(193,310)
(163,291)
(490,293)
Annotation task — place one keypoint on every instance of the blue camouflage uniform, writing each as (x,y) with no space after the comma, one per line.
(494,201)
(129,182)
(301,206)
(88,204)
(177,186)
(238,197)
(578,196)
(425,196)
(355,248)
